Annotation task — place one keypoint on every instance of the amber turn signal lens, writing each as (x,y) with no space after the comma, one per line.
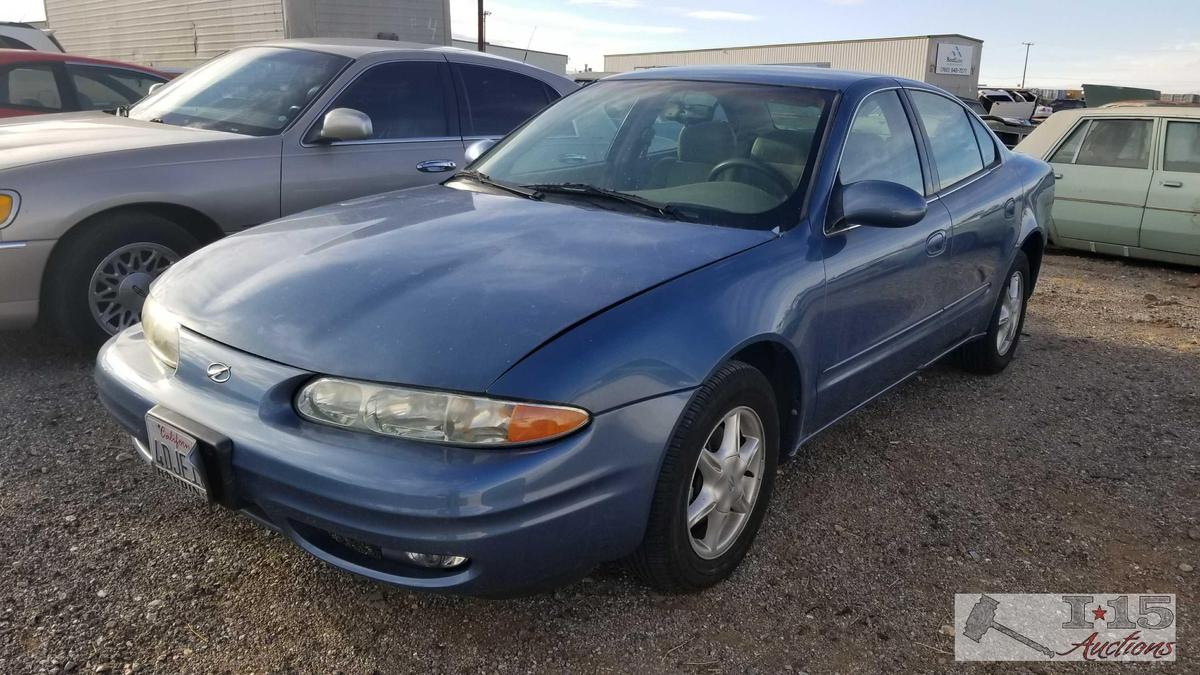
(6,207)
(536,423)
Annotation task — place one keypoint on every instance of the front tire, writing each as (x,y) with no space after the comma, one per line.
(993,352)
(97,282)
(715,483)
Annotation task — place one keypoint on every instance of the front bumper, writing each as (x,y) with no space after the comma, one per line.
(526,518)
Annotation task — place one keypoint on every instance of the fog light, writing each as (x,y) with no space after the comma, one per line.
(435,561)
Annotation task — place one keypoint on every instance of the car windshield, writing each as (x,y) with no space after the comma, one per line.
(256,91)
(717,152)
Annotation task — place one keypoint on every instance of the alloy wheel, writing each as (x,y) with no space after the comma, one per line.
(121,282)
(1009,321)
(725,483)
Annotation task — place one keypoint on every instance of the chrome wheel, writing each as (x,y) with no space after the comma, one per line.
(121,281)
(725,483)
(1009,321)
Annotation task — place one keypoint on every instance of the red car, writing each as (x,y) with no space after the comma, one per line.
(32,83)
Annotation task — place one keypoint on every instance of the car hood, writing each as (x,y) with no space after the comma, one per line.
(433,286)
(47,138)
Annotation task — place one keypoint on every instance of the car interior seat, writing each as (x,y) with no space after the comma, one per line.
(787,151)
(701,147)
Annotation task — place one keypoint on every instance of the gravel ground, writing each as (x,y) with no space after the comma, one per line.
(1076,470)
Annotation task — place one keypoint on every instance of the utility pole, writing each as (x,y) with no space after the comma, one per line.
(1023,70)
(482,46)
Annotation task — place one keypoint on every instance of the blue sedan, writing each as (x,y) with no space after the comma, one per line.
(599,340)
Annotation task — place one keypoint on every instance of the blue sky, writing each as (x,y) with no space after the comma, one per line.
(1152,43)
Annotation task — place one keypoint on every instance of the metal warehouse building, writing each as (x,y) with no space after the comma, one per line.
(948,61)
(184,33)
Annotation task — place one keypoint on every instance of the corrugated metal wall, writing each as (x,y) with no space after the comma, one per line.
(179,33)
(185,33)
(904,57)
(425,21)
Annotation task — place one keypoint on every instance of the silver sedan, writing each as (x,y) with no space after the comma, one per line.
(94,206)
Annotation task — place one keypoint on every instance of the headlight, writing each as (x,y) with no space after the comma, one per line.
(9,202)
(162,332)
(433,416)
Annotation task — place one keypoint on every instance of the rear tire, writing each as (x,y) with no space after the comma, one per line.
(103,273)
(992,353)
(732,420)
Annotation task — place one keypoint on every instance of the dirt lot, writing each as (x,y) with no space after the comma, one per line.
(1076,470)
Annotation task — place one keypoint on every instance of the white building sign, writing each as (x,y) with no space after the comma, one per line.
(954,59)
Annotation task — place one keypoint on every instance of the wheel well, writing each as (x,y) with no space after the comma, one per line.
(200,226)
(1032,248)
(779,366)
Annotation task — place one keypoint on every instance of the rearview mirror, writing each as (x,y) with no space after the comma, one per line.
(879,203)
(477,148)
(155,87)
(345,124)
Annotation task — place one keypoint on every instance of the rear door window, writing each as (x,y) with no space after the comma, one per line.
(494,101)
(1115,143)
(30,85)
(1183,147)
(951,138)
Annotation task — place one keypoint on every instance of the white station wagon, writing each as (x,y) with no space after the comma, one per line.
(1128,180)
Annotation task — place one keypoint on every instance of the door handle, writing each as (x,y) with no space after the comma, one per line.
(1172,183)
(1058,176)
(935,245)
(436,166)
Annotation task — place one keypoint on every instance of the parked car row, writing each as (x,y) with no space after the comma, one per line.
(98,205)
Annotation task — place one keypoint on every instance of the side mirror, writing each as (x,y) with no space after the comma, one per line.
(155,87)
(477,148)
(879,203)
(345,124)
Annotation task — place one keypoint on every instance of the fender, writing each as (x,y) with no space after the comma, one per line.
(651,345)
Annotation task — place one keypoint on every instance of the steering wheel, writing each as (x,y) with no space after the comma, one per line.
(773,175)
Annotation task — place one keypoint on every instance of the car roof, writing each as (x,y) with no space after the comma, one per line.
(28,55)
(800,76)
(1133,110)
(357,48)
(1047,134)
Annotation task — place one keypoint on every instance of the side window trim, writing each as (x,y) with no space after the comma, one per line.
(454,131)
(923,149)
(961,183)
(1086,124)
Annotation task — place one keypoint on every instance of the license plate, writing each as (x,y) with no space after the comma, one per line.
(176,455)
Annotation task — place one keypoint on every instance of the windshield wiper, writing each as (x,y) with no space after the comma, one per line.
(658,208)
(483,178)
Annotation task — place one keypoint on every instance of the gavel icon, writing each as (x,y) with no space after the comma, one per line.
(983,618)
